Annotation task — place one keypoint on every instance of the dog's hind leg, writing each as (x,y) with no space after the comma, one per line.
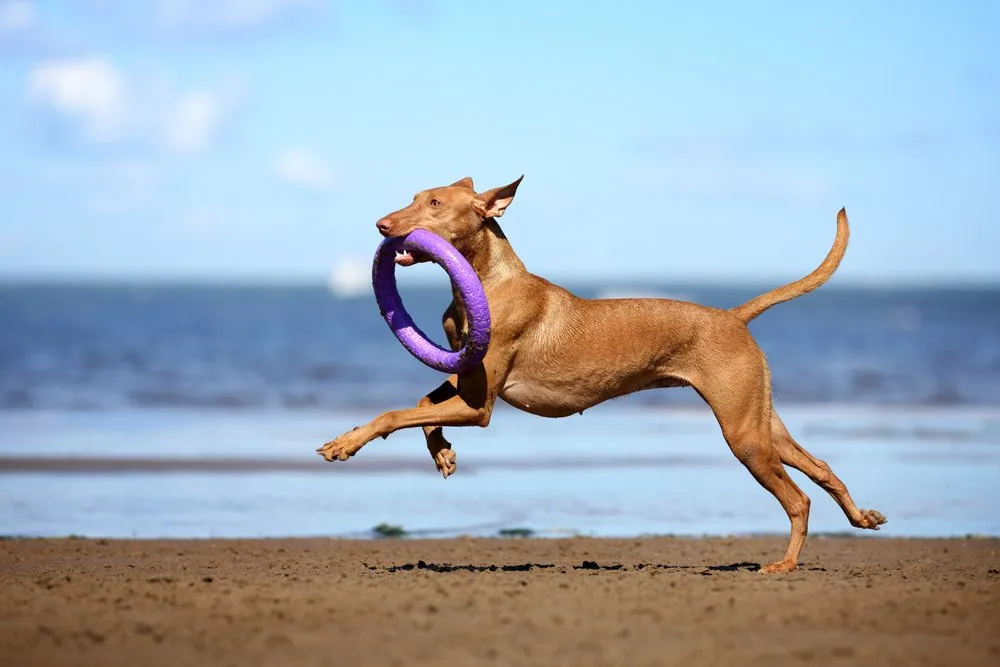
(740,397)
(794,455)
(754,450)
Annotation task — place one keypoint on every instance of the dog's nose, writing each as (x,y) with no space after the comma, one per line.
(384,224)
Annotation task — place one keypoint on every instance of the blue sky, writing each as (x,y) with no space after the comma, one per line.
(261,139)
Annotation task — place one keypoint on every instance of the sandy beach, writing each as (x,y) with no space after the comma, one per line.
(579,601)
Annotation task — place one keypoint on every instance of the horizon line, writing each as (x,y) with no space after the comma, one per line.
(608,282)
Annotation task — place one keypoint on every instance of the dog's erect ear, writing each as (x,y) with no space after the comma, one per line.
(464,183)
(492,203)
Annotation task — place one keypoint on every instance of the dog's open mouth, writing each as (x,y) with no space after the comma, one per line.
(408,258)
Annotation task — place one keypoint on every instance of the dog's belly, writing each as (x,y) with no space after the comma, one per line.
(542,400)
(552,400)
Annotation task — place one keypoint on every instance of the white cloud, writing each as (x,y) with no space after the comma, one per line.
(226,14)
(88,89)
(192,122)
(24,32)
(300,167)
(15,16)
(107,107)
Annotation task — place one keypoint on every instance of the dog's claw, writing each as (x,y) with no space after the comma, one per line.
(778,568)
(334,453)
(445,461)
(870,519)
(342,448)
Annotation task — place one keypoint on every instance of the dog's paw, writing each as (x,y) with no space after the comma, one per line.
(778,567)
(341,448)
(870,519)
(444,459)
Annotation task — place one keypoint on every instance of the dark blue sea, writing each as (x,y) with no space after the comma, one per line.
(253,348)
(193,411)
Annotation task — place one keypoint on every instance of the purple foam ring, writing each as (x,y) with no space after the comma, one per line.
(463,277)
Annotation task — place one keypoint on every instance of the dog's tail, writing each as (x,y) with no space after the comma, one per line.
(758,305)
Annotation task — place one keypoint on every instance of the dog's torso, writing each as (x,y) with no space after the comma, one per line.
(568,354)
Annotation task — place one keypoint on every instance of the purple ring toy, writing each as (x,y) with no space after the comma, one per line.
(463,277)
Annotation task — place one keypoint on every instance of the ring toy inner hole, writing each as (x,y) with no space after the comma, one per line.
(463,277)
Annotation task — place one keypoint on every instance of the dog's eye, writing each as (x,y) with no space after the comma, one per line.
(435,202)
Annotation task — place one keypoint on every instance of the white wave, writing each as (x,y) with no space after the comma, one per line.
(350,277)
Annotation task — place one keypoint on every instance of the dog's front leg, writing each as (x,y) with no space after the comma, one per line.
(437,445)
(452,321)
(471,404)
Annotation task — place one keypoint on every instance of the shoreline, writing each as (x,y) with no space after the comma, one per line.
(373,539)
(199,475)
(311,463)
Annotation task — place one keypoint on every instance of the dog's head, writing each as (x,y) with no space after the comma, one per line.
(455,212)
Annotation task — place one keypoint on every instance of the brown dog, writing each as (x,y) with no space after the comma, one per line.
(554,354)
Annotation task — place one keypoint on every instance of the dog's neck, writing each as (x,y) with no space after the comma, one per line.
(491,255)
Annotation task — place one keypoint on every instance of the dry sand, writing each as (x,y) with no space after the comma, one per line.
(471,602)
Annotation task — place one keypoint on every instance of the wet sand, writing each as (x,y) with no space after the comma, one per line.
(579,601)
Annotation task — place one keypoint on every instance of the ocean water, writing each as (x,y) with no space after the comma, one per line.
(194,412)
(103,348)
